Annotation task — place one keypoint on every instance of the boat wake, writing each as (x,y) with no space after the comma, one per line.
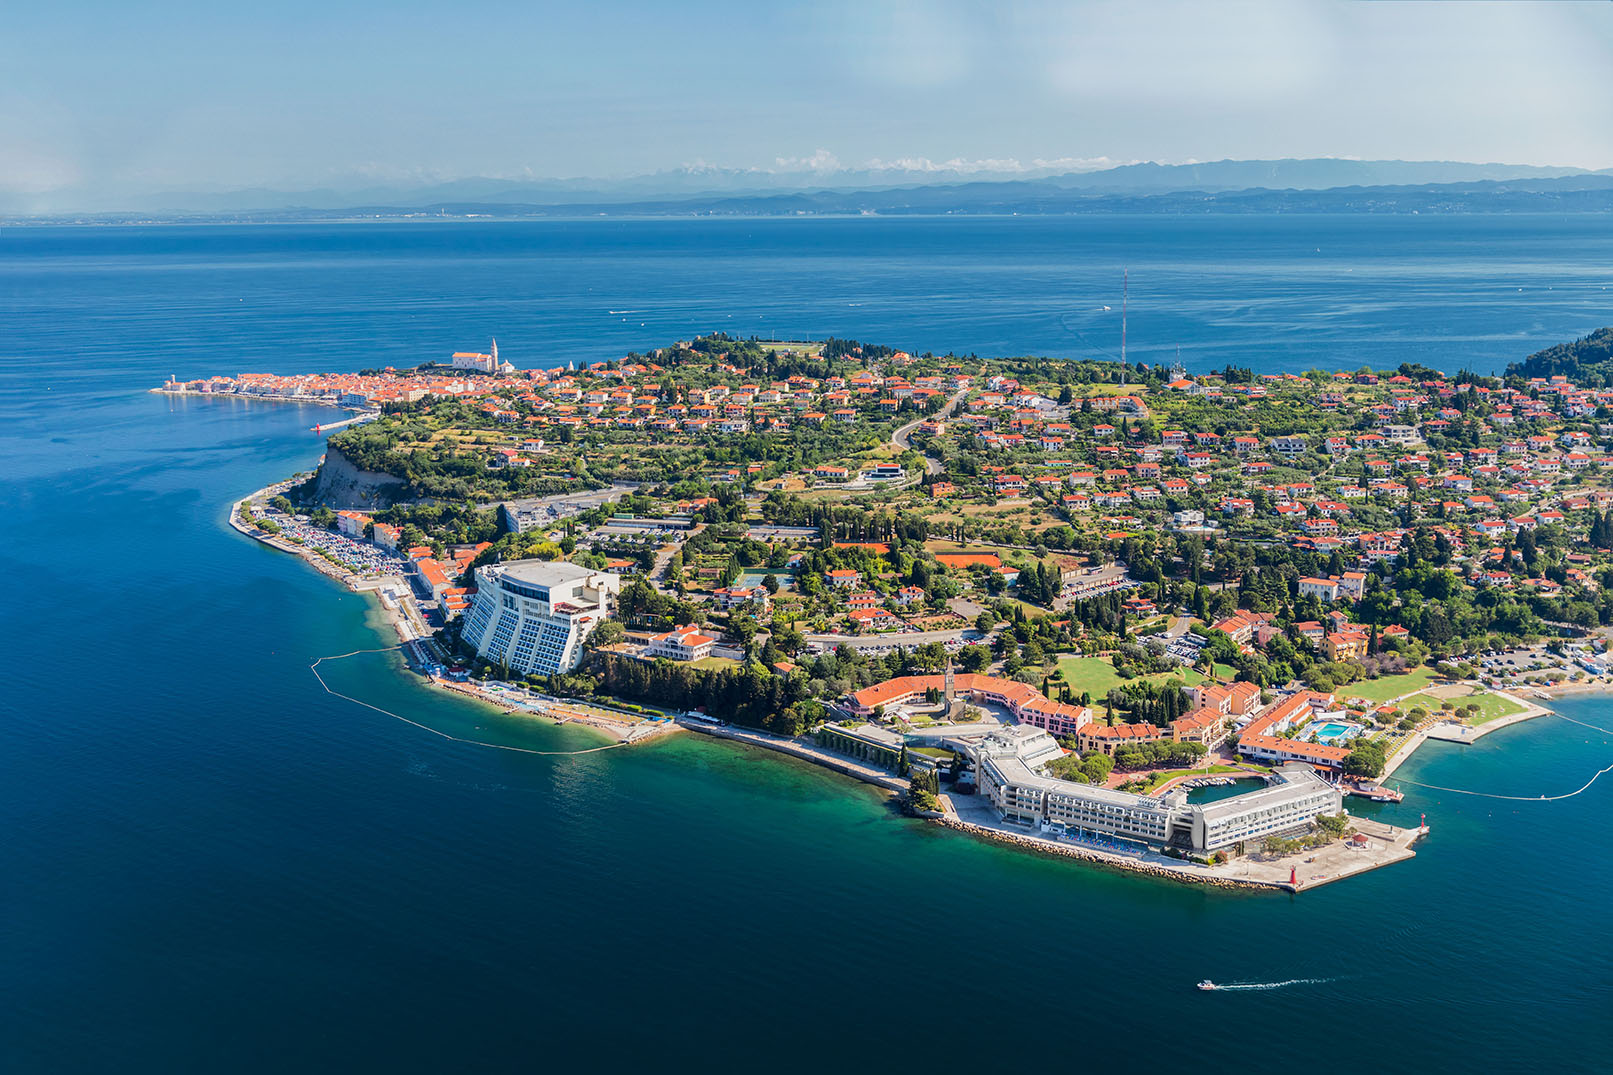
(1270,985)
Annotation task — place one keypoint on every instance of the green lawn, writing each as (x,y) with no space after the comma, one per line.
(1378,691)
(1094,674)
(713,662)
(1426,701)
(1098,675)
(1159,778)
(1491,707)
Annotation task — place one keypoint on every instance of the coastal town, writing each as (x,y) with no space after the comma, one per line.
(1173,623)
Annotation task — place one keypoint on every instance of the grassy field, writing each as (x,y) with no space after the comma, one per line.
(1094,674)
(1381,690)
(1426,701)
(1098,675)
(1159,778)
(1491,707)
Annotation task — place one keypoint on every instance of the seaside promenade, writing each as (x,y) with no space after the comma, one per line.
(1453,732)
(805,751)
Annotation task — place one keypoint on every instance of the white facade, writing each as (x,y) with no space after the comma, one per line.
(1009,773)
(681,644)
(533,615)
(475,360)
(1327,589)
(1289,446)
(1299,798)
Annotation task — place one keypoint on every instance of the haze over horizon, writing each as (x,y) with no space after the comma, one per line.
(182,96)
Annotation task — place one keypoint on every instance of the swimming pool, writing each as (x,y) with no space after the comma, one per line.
(1333,731)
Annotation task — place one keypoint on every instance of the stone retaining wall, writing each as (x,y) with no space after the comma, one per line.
(1026,843)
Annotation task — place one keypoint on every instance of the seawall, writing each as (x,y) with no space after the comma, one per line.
(833,762)
(1046,847)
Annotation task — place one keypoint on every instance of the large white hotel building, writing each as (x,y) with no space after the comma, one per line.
(1009,770)
(533,615)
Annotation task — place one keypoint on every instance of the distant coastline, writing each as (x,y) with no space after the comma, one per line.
(1225,186)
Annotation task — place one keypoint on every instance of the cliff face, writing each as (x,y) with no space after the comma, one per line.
(342,486)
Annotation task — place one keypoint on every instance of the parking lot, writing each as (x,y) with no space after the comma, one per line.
(359,557)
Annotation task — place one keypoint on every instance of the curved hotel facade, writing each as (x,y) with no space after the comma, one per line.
(533,615)
(1010,772)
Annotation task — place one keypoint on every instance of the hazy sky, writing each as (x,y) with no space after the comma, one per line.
(120,97)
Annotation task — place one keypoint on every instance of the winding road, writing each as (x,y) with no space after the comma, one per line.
(902,438)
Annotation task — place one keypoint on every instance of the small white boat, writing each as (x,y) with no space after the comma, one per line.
(1206,984)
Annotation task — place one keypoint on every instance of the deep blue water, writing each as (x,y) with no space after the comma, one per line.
(209,864)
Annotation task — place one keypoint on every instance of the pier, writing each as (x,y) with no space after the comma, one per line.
(357,419)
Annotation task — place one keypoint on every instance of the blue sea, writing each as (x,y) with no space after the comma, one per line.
(212,865)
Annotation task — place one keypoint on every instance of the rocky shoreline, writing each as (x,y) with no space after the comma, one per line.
(1044,847)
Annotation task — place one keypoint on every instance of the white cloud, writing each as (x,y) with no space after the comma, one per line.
(821,161)
(825,162)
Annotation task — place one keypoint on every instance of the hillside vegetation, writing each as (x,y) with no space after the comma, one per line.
(1587,362)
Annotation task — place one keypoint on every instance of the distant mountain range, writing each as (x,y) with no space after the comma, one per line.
(1315,185)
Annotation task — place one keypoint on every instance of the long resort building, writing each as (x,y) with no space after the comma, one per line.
(1009,770)
(533,615)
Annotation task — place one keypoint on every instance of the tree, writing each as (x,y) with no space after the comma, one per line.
(770,582)
(974,658)
(607,634)
(1334,826)
(1366,759)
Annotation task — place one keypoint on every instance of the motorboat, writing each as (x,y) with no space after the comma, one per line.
(1206,984)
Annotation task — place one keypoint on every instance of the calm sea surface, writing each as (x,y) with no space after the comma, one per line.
(209,864)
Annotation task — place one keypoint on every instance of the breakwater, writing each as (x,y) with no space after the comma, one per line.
(1181,875)
(833,762)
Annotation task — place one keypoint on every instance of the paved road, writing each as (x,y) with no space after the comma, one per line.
(906,639)
(663,557)
(903,437)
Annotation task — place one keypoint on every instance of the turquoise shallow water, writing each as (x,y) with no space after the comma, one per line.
(211,864)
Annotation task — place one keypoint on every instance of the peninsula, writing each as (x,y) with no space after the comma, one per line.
(1106,610)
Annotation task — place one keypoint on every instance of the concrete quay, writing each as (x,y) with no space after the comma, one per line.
(806,752)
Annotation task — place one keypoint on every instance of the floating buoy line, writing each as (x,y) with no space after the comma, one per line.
(314,668)
(1523,798)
